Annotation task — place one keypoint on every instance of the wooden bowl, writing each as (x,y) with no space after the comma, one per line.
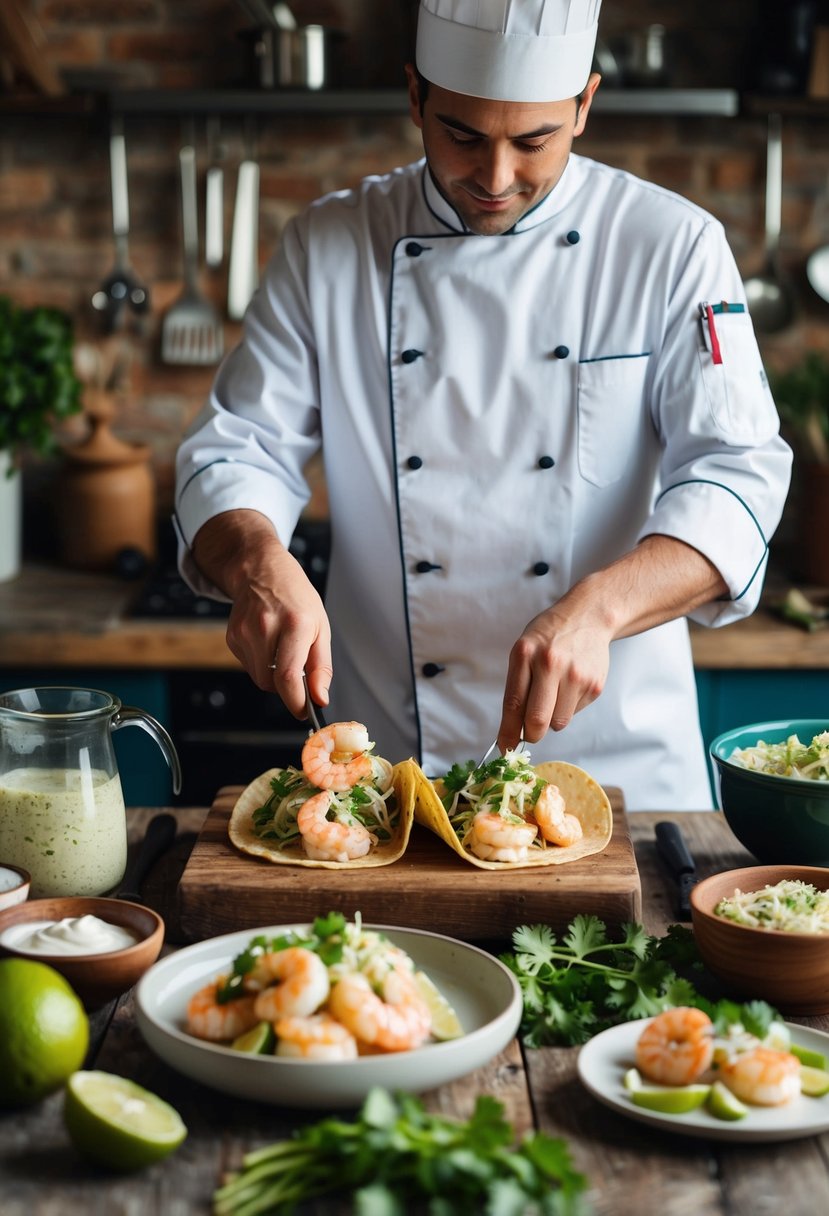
(97,978)
(789,970)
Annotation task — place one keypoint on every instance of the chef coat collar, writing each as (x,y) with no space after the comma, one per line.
(549,206)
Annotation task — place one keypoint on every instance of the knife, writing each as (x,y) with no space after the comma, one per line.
(158,837)
(671,847)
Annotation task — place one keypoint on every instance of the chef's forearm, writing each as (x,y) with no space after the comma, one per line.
(658,581)
(233,547)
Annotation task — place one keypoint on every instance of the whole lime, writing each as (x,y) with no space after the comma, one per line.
(44,1031)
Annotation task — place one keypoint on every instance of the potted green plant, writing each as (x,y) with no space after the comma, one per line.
(802,397)
(38,388)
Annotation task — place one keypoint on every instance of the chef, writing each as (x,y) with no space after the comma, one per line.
(547,434)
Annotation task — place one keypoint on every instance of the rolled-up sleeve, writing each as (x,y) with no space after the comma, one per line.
(725,470)
(248,447)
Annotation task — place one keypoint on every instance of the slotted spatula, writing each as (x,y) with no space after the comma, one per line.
(192,332)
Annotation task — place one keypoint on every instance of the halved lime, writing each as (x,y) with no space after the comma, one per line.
(117,1123)
(678,1100)
(723,1104)
(445,1022)
(258,1041)
(814,1059)
(814,1082)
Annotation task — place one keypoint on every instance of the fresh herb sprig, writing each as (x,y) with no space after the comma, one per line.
(577,986)
(396,1158)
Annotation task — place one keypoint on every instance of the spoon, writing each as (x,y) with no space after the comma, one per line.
(769,296)
(121,286)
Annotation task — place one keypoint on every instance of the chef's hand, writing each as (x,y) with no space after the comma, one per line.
(278,627)
(560,663)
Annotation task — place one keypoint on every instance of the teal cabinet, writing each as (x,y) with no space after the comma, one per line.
(732,698)
(145,777)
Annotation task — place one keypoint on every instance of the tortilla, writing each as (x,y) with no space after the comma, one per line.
(583,797)
(242,835)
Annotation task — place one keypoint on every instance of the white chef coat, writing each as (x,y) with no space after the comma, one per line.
(499,416)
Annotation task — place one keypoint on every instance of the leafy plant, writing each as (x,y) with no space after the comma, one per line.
(38,385)
(802,397)
(396,1159)
(585,983)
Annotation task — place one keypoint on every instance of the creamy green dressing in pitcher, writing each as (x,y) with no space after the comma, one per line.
(66,827)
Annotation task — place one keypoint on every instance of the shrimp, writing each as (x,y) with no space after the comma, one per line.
(556,826)
(302,986)
(207,1019)
(329,839)
(763,1077)
(314,1038)
(494,838)
(676,1047)
(397,1021)
(336,757)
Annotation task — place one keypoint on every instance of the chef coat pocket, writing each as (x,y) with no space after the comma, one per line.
(737,389)
(611,398)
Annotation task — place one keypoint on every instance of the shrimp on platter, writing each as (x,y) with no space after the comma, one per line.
(397,1020)
(208,1019)
(294,981)
(314,1038)
(763,1076)
(676,1047)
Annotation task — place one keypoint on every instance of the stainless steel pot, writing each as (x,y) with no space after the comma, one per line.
(294,59)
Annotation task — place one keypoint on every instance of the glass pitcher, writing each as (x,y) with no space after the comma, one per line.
(62,813)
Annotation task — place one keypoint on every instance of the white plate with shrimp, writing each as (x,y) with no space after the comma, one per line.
(604,1060)
(483,992)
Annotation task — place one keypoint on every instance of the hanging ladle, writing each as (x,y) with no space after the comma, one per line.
(770,299)
(121,287)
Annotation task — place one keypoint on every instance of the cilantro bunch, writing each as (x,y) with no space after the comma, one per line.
(396,1159)
(584,983)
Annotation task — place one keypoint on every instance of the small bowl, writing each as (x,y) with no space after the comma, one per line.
(780,820)
(18,891)
(789,970)
(97,978)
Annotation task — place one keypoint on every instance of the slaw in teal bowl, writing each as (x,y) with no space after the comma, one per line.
(772,783)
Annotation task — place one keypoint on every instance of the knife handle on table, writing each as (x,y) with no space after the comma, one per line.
(671,846)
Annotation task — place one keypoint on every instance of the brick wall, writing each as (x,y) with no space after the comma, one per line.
(55,237)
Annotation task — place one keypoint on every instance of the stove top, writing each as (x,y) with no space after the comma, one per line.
(165,595)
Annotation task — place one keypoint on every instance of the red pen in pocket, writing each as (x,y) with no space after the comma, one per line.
(708,315)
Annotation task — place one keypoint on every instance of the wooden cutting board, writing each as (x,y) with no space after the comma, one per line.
(430,887)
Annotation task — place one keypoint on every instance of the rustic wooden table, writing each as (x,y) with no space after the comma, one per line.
(629,1167)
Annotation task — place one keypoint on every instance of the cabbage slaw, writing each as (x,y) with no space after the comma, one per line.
(789,906)
(788,759)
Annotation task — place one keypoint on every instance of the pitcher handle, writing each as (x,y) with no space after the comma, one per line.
(128,715)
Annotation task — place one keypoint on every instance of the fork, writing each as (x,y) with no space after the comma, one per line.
(192,332)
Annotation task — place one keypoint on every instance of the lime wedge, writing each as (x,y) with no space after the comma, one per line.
(633,1080)
(814,1059)
(257,1041)
(814,1082)
(445,1022)
(118,1124)
(671,1101)
(723,1104)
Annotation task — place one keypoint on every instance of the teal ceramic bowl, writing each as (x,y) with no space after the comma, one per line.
(780,820)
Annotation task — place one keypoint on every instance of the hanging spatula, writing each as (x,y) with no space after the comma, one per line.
(192,332)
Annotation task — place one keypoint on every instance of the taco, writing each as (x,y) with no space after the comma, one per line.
(527,815)
(355,813)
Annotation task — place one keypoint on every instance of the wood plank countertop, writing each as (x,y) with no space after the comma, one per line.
(628,1166)
(54,617)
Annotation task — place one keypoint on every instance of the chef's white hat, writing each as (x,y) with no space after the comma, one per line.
(508,50)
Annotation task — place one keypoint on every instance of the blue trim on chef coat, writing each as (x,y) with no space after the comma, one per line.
(705,481)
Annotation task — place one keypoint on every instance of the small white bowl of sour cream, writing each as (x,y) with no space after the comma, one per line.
(14,885)
(101,946)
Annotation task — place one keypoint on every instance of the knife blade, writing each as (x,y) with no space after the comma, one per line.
(160,833)
(671,847)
